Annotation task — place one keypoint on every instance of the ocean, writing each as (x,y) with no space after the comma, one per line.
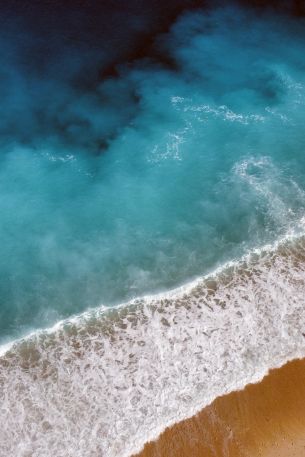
(152,223)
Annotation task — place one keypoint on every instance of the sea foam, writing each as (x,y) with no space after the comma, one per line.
(105,383)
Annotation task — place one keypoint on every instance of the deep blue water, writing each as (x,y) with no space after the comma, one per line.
(137,181)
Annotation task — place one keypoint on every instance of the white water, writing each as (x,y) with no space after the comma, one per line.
(103,386)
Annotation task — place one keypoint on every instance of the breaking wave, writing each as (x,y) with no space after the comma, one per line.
(106,382)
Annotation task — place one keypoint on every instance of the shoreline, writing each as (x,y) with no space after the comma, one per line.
(155,363)
(266,419)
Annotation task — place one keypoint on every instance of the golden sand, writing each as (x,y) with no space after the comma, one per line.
(265,419)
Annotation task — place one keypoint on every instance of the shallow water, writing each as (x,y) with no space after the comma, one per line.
(103,385)
(265,419)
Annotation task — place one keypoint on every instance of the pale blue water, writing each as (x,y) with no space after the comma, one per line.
(156,176)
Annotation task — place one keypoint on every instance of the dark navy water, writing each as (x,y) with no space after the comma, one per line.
(138,179)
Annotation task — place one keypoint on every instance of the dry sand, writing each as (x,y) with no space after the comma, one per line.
(265,419)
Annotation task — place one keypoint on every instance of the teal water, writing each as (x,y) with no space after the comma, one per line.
(202,159)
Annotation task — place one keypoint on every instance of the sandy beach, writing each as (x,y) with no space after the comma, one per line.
(265,419)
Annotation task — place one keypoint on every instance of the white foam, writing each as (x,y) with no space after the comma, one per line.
(104,385)
(79,319)
(221,111)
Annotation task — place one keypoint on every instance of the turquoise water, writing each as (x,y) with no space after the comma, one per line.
(130,167)
(158,174)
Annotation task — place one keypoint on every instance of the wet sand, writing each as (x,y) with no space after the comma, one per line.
(265,419)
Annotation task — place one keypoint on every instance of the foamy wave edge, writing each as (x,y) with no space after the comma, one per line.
(172,293)
(115,380)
